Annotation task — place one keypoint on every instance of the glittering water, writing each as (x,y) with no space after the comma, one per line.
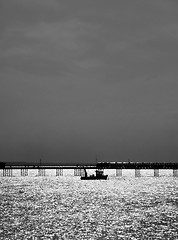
(68,208)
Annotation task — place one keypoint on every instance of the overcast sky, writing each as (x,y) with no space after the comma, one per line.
(86,78)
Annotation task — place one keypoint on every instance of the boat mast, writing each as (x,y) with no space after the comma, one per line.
(85,171)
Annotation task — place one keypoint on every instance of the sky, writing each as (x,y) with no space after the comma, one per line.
(84,79)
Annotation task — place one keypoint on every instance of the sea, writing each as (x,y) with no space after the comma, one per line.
(64,207)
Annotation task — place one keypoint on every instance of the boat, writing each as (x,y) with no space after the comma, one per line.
(2,165)
(99,175)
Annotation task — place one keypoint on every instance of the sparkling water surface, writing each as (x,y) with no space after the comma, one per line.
(67,208)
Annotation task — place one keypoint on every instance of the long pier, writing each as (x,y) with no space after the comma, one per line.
(8,169)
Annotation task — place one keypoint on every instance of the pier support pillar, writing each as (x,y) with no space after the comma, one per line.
(7,172)
(82,173)
(41,172)
(24,172)
(175,172)
(137,173)
(156,172)
(78,172)
(118,172)
(59,172)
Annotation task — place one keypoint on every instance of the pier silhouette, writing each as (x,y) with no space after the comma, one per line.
(8,168)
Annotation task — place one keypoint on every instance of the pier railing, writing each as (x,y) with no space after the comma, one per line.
(100,165)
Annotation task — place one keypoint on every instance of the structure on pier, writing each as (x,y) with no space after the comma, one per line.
(137,165)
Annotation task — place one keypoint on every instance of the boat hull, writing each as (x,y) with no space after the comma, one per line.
(104,177)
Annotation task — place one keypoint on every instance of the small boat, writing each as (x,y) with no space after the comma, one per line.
(99,176)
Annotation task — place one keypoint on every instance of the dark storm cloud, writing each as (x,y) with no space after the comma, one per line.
(80,78)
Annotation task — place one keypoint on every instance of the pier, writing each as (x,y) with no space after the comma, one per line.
(78,170)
